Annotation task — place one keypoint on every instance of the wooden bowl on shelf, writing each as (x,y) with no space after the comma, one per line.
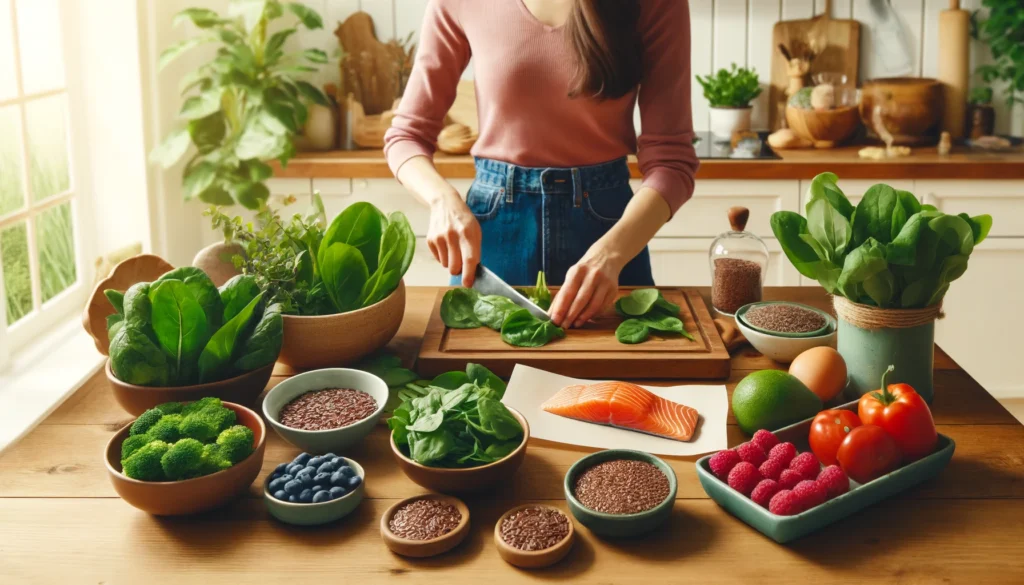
(824,128)
(911,108)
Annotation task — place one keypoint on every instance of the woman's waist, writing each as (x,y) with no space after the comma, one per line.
(551,179)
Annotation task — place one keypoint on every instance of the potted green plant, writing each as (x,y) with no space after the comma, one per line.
(981,114)
(729,92)
(888,262)
(1001,27)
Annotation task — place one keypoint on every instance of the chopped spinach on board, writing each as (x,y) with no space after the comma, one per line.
(889,251)
(465,308)
(646,310)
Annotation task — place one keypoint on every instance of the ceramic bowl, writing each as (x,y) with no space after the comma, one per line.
(741,315)
(533,559)
(465,480)
(337,340)
(424,548)
(242,389)
(785,349)
(321,512)
(190,496)
(619,525)
(319,442)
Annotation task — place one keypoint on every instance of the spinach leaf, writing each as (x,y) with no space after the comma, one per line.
(639,301)
(137,307)
(955,232)
(864,262)
(980,226)
(180,325)
(788,228)
(825,186)
(215,360)
(522,329)
(666,306)
(829,227)
(236,293)
(397,246)
(264,345)
(491,310)
(116,299)
(451,380)
(486,379)
(496,420)
(344,273)
(114,323)
(427,448)
(874,216)
(458,309)
(632,331)
(203,290)
(361,225)
(135,359)
(665,324)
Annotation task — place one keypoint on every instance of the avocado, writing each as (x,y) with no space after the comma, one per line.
(770,399)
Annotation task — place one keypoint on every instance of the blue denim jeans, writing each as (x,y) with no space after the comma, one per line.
(537,219)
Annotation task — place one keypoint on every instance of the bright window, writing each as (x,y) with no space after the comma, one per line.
(41,272)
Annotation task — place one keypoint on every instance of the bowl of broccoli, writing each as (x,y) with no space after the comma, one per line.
(183,458)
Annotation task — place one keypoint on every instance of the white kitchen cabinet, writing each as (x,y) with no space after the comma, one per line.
(684,261)
(284,187)
(1003,200)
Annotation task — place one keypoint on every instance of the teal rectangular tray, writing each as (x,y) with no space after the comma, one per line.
(786,528)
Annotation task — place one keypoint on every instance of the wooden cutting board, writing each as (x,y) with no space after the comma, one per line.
(589,352)
(838,51)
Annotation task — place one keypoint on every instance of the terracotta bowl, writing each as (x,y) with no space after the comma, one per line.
(826,128)
(425,548)
(190,496)
(468,480)
(343,339)
(911,108)
(243,389)
(533,559)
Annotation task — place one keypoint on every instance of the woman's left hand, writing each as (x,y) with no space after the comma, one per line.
(590,287)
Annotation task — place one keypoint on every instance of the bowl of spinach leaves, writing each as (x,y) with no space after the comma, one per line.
(180,338)
(454,435)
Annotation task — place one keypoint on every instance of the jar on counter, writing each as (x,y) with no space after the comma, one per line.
(739,262)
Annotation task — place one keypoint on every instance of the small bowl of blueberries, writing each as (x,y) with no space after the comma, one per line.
(314,489)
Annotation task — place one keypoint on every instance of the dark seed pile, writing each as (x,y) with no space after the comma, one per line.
(424,519)
(785,318)
(736,283)
(534,528)
(331,408)
(621,486)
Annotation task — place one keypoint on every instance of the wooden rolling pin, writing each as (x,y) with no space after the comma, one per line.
(954,30)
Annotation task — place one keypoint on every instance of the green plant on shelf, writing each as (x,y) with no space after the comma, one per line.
(1002,29)
(735,87)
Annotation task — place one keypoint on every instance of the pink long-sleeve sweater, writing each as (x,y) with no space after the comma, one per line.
(523,69)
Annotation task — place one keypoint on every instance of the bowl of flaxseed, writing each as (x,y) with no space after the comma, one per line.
(620,492)
(326,410)
(425,525)
(782,330)
(532,536)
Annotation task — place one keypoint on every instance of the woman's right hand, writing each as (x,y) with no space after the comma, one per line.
(454,236)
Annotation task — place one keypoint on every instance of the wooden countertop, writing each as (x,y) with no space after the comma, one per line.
(61,522)
(923,163)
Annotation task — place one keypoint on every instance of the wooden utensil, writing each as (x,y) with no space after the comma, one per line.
(370,67)
(954,30)
(834,42)
(141,268)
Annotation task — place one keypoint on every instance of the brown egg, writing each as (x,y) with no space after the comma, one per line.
(822,370)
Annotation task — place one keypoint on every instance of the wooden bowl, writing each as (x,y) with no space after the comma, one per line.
(190,496)
(466,480)
(339,340)
(141,268)
(533,559)
(243,389)
(424,548)
(911,108)
(825,128)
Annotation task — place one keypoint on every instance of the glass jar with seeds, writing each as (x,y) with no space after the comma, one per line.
(739,262)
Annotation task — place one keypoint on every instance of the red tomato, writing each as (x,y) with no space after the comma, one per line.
(828,430)
(868,452)
(903,414)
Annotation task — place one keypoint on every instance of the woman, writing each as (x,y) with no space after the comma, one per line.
(556,82)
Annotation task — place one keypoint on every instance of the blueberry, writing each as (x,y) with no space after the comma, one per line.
(317,488)
(280,469)
(293,487)
(275,484)
(302,458)
(322,477)
(293,499)
(321,496)
(347,471)
(310,469)
(304,475)
(306,496)
(274,476)
(337,478)
(327,467)
(354,481)
(327,456)
(281,495)
(337,492)
(315,462)
(293,468)
(286,478)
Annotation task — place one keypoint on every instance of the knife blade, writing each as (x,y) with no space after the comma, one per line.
(489,283)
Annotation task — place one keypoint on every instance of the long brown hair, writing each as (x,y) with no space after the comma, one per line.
(606,46)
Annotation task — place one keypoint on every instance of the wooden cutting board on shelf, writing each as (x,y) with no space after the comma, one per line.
(589,352)
(836,43)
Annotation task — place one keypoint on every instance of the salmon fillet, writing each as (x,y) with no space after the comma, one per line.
(624,405)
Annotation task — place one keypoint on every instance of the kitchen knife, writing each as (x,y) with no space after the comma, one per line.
(489,283)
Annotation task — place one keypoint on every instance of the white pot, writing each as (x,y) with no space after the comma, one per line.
(726,121)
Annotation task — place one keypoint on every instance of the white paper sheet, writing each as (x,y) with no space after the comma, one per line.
(530,387)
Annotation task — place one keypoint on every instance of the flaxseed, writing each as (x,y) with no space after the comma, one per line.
(534,528)
(622,486)
(424,519)
(331,408)
(736,283)
(784,318)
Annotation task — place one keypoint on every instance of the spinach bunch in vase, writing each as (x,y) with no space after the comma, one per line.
(645,311)
(889,251)
(182,330)
(457,420)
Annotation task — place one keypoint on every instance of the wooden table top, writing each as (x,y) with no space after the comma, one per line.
(61,521)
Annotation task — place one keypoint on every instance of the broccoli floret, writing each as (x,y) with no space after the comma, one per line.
(145,463)
(201,404)
(171,407)
(236,443)
(213,459)
(204,425)
(166,429)
(183,460)
(133,444)
(145,421)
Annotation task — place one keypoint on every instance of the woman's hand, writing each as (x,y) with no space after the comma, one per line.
(454,236)
(590,286)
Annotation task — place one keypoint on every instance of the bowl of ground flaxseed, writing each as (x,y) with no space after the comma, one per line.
(425,526)
(620,492)
(532,536)
(326,410)
(783,330)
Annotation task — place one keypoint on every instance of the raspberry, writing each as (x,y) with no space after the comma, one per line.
(784,452)
(744,478)
(834,480)
(810,493)
(790,478)
(772,469)
(721,463)
(764,491)
(766,440)
(785,503)
(752,454)
(806,464)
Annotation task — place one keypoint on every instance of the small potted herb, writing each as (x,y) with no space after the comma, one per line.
(729,92)
(981,114)
(888,262)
